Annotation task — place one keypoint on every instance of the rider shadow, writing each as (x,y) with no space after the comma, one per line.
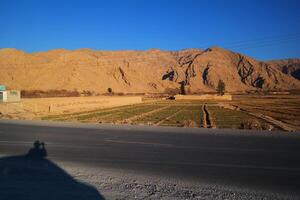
(34,177)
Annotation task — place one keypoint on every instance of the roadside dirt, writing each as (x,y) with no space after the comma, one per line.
(15,111)
(113,184)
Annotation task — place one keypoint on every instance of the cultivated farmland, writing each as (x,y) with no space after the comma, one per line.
(178,113)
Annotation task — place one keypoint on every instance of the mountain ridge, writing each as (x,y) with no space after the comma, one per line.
(150,71)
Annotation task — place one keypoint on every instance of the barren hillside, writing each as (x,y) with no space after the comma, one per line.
(288,66)
(141,71)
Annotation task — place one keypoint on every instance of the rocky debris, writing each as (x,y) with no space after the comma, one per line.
(189,123)
(113,184)
(253,124)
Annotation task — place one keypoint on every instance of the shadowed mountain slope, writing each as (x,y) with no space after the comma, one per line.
(288,66)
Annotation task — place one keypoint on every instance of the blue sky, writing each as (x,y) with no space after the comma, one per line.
(263,29)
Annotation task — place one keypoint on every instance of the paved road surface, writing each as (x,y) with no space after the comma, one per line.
(255,160)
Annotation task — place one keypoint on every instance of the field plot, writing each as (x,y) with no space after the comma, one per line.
(126,114)
(285,108)
(114,115)
(159,116)
(85,114)
(226,118)
(166,113)
(189,113)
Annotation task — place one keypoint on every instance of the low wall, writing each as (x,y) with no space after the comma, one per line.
(226,97)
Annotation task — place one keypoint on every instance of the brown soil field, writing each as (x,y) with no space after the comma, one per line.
(31,108)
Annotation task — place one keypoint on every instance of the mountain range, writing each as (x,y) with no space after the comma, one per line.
(151,71)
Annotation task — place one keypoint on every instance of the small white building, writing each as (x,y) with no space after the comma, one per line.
(9,95)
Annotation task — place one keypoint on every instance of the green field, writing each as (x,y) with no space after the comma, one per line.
(225,118)
(285,108)
(159,115)
(163,113)
(189,112)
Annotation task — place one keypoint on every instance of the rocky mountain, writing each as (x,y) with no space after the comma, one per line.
(151,71)
(288,66)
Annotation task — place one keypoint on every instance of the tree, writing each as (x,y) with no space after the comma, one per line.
(182,87)
(221,88)
(109,90)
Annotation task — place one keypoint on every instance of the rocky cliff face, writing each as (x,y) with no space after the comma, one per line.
(288,66)
(142,71)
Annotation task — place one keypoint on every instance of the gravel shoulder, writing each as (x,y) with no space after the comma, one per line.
(116,184)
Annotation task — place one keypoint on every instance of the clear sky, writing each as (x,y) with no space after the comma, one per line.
(263,29)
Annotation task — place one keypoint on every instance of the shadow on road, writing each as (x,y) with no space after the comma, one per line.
(32,176)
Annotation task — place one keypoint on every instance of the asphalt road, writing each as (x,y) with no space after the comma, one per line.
(244,159)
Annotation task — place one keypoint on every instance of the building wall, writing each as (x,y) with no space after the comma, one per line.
(2,88)
(13,96)
(10,96)
(3,96)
